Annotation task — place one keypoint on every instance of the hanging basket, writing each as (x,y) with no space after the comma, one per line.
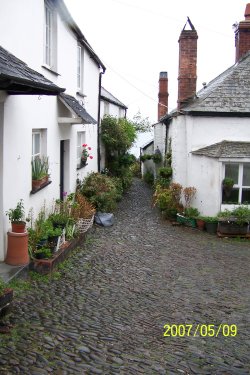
(83,225)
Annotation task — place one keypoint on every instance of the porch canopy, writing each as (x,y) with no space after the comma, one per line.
(78,112)
(16,78)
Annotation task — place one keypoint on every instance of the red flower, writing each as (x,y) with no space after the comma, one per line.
(89,148)
(91,157)
(84,145)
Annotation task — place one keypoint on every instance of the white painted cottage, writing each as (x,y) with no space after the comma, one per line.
(111,106)
(210,130)
(49,105)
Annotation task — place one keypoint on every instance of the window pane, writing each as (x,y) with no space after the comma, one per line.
(245,196)
(246,174)
(232,171)
(233,197)
(36,144)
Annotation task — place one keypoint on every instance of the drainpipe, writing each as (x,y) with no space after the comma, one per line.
(99,122)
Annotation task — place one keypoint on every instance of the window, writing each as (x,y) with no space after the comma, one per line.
(106,108)
(240,193)
(80,141)
(50,36)
(39,137)
(36,144)
(79,67)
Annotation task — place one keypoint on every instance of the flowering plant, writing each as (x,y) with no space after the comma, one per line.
(85,153)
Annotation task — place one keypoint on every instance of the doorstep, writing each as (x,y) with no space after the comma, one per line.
(7,272)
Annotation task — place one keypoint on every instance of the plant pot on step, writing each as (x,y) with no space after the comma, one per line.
(17,251)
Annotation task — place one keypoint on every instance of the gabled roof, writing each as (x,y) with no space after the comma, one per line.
(106,95)
(73,104)
(146,145)
(17,78)
(225,149)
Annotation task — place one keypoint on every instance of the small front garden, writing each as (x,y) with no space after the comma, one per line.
(174,201)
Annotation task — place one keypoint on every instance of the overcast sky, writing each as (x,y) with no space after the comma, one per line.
(136,39)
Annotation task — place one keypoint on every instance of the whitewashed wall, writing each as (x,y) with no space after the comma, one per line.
(205,174)
(21,114)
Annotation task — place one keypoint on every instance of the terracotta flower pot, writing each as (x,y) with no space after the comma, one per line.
(18,226)
(200,224)
(17,251)
(36,184)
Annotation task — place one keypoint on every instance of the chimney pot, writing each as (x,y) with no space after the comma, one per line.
(242,35)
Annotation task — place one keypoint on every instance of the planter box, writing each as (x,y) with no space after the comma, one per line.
(230,227)
(46,266)
(186,221)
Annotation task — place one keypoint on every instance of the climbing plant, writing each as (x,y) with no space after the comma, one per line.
(118,135)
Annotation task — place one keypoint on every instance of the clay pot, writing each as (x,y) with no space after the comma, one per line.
(200,224)
(18,226)
(17,251)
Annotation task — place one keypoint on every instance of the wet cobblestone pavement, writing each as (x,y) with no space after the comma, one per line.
(106,314)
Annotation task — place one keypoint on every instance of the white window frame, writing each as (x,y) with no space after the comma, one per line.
(106,108)
(239,185)
(50,36)
(42,142)
(79,73)
(81,139)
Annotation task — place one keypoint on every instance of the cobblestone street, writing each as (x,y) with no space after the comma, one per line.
(107,312)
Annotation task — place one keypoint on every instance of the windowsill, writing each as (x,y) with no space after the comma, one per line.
(81,166)
(80,93)
(47,67)
(41,187)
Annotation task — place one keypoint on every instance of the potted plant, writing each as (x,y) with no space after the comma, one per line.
(85,154)
(200,222)
(235,222)
(227,185)
(43,253)
(37,173)
(211,224)
(189,217)
(17,217)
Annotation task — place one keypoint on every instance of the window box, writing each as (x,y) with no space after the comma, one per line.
(42,186)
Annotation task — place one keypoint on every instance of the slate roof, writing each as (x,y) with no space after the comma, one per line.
(77,108)
(225,149)
(17,78)
(106,95)
(229,92)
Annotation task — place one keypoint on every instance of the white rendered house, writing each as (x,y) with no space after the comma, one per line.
(210,130)
(51,113)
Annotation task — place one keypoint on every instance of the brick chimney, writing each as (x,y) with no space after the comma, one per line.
(242,35)
(187,64)
(163,95)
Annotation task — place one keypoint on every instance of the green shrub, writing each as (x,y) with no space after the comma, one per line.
(165,172)
(148,177)
(191,212)
(101,190)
